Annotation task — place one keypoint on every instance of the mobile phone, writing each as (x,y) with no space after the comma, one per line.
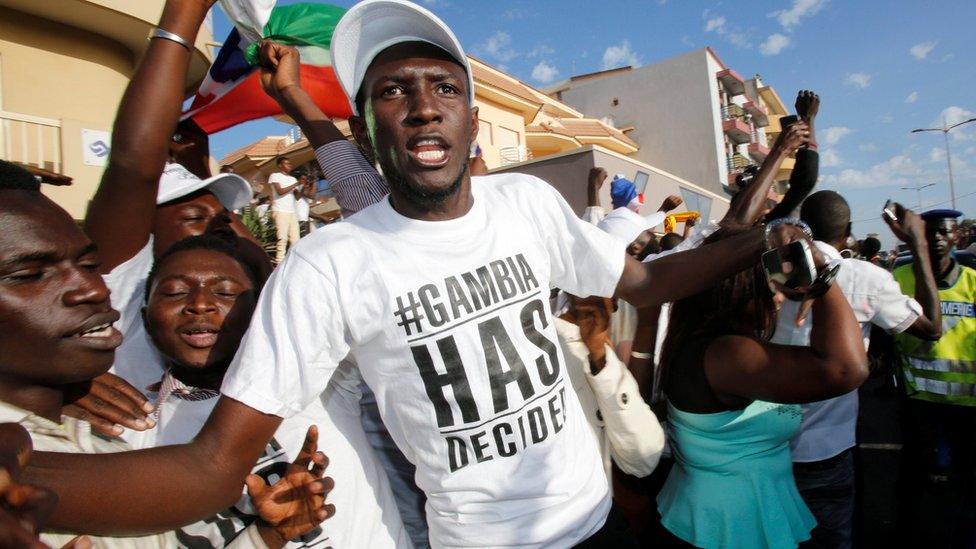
(786,121)
(889,210)
(792,265)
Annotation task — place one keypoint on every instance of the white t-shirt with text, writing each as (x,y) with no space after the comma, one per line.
(450,324)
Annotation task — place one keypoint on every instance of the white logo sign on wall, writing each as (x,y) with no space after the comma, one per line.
(96,145)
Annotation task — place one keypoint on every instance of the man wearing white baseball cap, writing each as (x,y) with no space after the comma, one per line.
(440,295)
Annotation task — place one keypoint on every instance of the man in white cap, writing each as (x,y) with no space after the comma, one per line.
(440,294)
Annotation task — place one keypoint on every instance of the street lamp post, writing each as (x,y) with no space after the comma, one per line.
(945,133)
(918,192)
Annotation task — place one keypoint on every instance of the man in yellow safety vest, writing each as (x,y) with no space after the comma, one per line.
(939,377)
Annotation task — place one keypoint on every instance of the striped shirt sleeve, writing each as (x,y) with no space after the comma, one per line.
(355,183)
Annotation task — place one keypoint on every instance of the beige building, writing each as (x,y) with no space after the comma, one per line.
(517,123)
(64,65)
(693,115)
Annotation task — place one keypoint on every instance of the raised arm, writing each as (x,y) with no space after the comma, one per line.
(743,368)
(910,229)
(749,207)
(120,217)
(666,278)
(355,182)
(158,489)
(806,170)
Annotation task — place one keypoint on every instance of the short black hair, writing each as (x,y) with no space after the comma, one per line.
(16,178)
(280,159)
(870,247)
(828,215)
(205,242)
(670,240)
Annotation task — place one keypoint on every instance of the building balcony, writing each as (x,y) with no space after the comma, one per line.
(31,140)
(737,162)
(514,155)
(738,130)
(758,113)
(732,111)
(758,152)
(733,83)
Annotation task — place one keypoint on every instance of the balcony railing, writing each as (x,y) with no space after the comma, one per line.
(737,162)
(31,140)
(732,111)
(514,155)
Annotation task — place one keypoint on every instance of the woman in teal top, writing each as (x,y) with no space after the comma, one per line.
(732,402)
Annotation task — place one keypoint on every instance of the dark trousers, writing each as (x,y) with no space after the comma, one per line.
(615,533)
(937,475)
(827,488)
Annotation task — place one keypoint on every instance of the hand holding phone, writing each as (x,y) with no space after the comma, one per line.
(889,210)
(791,266)
(906,224)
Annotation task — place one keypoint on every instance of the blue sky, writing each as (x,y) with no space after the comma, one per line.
(881,70)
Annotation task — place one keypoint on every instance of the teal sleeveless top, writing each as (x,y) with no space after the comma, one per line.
(732,482)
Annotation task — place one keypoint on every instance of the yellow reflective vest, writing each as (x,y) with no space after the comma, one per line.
(944,370)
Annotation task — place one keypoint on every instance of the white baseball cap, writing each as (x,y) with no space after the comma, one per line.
(627,225)
(371,26)
(231,190)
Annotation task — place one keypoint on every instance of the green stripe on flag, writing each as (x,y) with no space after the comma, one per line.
(299,25)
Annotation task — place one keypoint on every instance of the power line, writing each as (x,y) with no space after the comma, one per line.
(928,206)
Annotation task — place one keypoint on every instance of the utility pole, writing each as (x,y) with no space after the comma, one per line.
(945,133)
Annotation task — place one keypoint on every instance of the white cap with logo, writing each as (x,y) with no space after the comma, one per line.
(231,190)
(371,26)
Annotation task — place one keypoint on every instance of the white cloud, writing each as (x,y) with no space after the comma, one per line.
(541,50)
(858,79)
(954,115)
(936,154)
(897,170)
(829,158)
(719,25)
(800,9)
(832,135)
(774,44)
(498,46)
(619,56)
(544,72)
(921,51)
(886,118)
(868,147)
(912,97)
(715,24)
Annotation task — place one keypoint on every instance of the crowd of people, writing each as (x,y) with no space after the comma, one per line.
(462,360)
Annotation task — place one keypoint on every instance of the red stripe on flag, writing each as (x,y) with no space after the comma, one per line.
(247,100)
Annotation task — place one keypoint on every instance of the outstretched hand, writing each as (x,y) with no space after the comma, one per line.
(109,403)
(295,504)
(279,68)
(596,178)
(907,225)
(670,203)
(792,139)
(807,105)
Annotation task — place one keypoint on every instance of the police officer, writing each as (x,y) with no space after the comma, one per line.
(939,379)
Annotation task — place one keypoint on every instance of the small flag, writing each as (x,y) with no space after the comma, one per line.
(231,92)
